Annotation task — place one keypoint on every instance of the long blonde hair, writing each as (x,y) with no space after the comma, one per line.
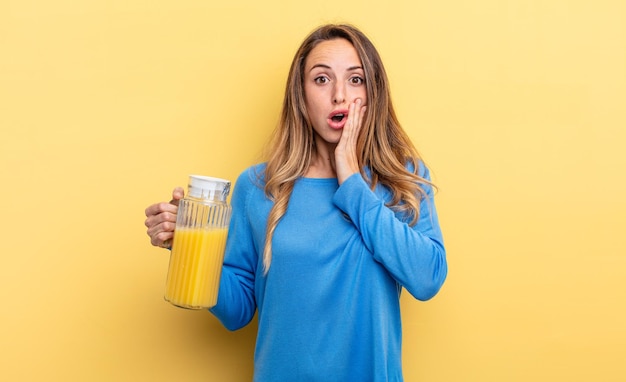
(383,147)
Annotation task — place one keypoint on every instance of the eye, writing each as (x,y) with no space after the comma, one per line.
(321,80)
(357,80)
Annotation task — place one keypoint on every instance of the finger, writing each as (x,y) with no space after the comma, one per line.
(159,208)
(163,240)
(347,129)
(359,113)
(362,116)
(154,209)
(355,115)
(353,118)
(163,217)
(161,233)
(177,195)
(353,124)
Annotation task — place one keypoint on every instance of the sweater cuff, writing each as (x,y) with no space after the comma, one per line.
(354,195)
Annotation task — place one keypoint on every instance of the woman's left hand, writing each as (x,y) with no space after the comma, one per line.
(346,158)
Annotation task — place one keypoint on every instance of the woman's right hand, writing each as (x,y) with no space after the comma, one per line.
(161,220)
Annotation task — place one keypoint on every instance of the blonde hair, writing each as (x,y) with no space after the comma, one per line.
(383,147)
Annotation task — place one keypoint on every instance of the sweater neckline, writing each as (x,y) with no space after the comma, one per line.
(318,181)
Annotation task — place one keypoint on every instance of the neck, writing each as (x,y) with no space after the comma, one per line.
(323,161)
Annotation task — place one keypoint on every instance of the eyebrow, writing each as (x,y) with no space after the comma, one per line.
(328,67)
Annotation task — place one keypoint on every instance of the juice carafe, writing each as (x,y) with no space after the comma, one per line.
(199,240)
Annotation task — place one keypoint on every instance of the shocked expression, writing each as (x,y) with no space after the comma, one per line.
(333,79)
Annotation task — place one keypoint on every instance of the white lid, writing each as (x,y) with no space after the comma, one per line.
(208,187)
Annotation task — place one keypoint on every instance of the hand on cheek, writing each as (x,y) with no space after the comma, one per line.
(346,158)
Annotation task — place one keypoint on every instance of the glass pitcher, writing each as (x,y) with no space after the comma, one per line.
(198,247)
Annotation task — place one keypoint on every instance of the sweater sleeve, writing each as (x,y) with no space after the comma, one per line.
(236,302)
(415,256)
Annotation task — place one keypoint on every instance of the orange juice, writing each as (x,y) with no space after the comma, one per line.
(195,267)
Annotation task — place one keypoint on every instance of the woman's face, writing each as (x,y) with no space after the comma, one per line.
(333,79)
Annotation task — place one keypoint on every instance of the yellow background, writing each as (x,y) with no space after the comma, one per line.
(518,106)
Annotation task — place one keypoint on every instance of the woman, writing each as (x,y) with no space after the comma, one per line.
(327,232)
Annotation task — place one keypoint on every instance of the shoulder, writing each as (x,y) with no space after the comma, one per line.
(249,186)
(251,178)
(252,174)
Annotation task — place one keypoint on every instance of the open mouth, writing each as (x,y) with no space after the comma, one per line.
(338,117)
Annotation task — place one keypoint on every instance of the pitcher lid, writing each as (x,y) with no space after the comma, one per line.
(208,187)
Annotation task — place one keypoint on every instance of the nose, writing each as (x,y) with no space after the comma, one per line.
(339,95)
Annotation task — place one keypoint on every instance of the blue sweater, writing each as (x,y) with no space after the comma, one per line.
(329,309)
